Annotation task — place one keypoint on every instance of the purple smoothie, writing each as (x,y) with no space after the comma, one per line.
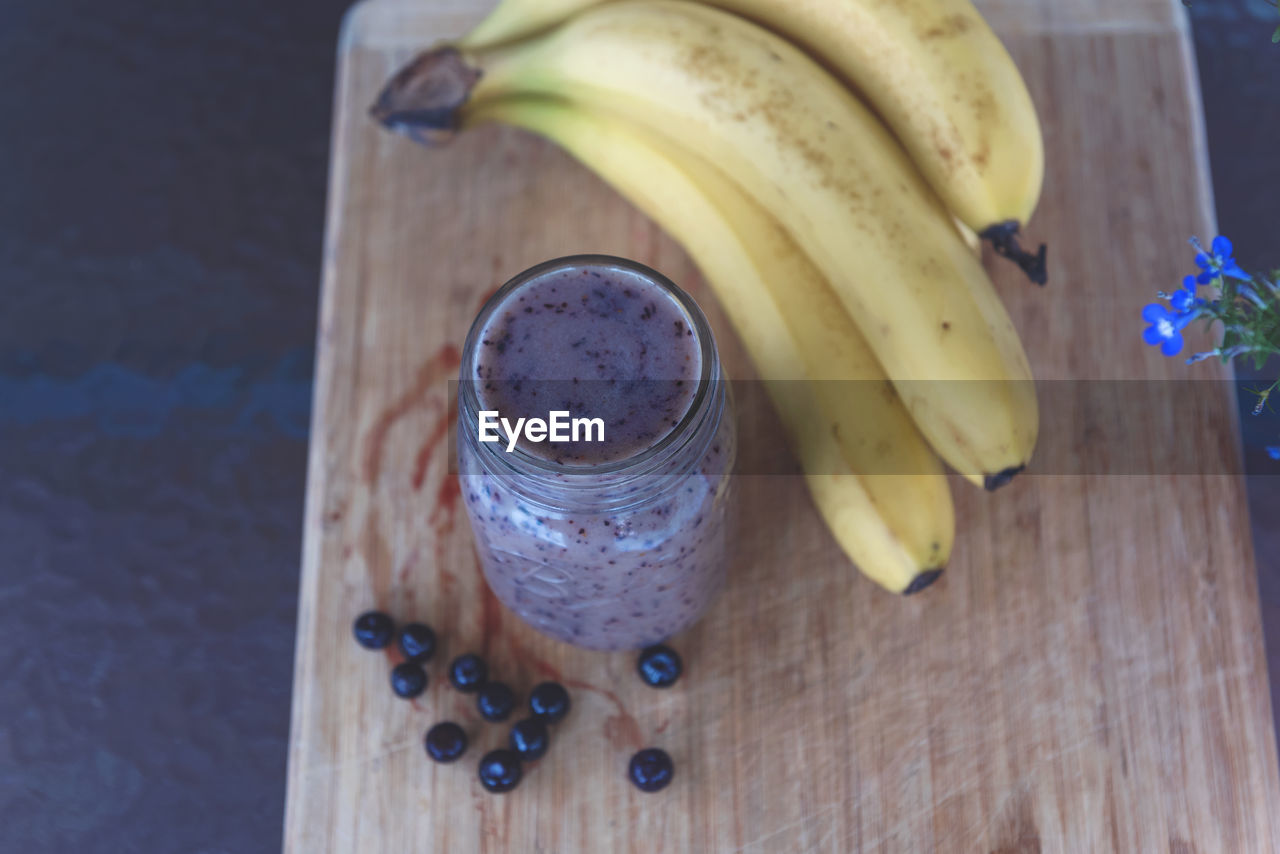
(614,544)
(596,343)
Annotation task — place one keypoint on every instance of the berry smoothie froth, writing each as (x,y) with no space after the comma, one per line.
(595,343)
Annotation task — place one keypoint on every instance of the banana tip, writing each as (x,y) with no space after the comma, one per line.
(1003,237)
(922,581)
(994,481)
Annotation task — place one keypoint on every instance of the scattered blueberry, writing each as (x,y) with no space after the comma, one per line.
(468,672)
(659,666)
(408,680)
(500,770)
(496,701)
(446,742)
(373,630)
(529,739)
(651,769)
(417,642)
(549,701)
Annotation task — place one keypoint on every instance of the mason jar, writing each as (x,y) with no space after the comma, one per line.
(612,538)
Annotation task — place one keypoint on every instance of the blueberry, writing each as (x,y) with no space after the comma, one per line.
(500,770)
(373,630)
(446,742)
(549,701)
(408,680)
(468,672)
(496,701)
(651,769)
(417,642)
(529,739)
(659,666)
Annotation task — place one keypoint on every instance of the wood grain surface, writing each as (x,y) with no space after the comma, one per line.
(1088,676)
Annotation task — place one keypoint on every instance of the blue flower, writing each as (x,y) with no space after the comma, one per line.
(1165,329)
(1184,299)
(1218,262)
(1274,452)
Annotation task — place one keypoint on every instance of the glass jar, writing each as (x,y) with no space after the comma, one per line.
(621,546)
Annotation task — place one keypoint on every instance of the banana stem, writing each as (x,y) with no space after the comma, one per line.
(423,100)
(1003,237)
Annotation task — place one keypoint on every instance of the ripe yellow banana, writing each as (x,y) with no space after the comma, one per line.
(932,69)
(811,154)
(874,480)
(516,19)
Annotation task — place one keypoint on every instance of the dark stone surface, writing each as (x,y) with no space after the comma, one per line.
(162,182)
(1240,81)
(162,178)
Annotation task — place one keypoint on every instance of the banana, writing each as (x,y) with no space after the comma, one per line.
(970,238)
(511,20)
(874,480)
(811,154)
(932,69)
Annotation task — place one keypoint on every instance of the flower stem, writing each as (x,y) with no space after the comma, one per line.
(1263,396)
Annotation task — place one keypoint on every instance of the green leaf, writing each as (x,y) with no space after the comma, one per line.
(1275,37)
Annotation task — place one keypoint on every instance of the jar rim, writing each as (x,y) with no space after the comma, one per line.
(520,461)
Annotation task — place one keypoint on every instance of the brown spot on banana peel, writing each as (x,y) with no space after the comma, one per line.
(922,581)
(424,98)
(949,27)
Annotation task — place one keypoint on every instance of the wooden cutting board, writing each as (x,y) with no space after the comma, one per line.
(1088,676)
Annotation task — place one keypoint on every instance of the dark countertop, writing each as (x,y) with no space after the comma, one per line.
(1240,84)
(161,216)
(161,212)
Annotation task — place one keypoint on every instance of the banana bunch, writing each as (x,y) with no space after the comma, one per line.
(896,519)
(833,246)
(932,69)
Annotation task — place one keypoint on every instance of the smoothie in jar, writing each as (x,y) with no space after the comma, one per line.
(609,541)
